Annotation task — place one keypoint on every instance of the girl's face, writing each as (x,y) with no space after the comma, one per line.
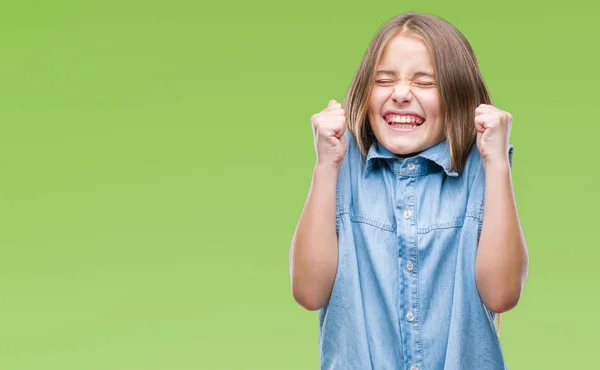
(404,107)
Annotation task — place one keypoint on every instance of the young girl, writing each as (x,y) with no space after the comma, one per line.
(409,243)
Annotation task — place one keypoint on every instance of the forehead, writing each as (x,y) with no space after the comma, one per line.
(406,52)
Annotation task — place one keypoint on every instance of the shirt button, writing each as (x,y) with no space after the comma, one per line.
(411,166)
(410,266)
(407,214)
(410,317)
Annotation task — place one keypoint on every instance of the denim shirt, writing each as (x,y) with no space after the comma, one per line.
(404,295)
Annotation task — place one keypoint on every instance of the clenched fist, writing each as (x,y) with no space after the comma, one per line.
(329,126)
(493,133)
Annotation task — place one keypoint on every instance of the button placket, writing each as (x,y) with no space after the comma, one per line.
(409,254)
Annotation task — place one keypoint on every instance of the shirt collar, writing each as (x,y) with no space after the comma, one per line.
(438,154)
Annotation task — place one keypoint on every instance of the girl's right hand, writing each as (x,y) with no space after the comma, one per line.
(329,126)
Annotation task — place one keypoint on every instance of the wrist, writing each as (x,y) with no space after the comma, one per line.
(496,164)
(327,167)
(324,169)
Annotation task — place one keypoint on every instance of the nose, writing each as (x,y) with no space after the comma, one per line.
(402,94)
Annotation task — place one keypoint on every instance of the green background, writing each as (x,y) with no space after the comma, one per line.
(155,158)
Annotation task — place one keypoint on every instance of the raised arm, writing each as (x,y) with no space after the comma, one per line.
(313,253)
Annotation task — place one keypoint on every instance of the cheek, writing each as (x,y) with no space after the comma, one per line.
(376,102)
(431,104)
(378,97)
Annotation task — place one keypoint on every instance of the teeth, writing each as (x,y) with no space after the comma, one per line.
(405,119)
(399,125)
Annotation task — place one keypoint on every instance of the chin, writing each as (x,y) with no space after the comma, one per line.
(402,145)
(403,149)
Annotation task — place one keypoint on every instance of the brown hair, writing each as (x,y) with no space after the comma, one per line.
(459,80)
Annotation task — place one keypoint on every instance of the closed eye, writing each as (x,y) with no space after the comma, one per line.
(425,83)
(385,82)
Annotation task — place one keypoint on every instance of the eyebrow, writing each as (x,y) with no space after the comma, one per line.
(416,74)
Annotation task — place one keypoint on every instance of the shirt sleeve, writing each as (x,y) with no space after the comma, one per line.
(480,180)
(343,186)
(337,206)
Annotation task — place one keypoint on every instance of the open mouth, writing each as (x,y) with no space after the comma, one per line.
(404,121)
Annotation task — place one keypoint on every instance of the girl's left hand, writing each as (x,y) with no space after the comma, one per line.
(493,132)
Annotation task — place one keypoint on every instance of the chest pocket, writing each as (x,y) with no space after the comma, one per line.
(368,200)
(446,202)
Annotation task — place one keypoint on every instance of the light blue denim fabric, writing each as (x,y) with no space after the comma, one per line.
(405,295)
